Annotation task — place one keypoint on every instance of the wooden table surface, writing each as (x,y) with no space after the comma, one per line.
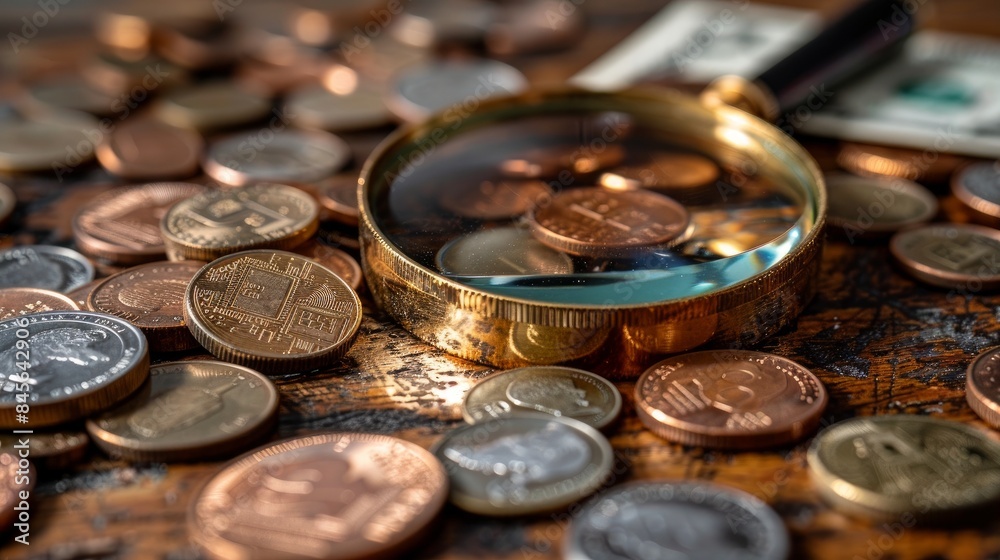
(881,343)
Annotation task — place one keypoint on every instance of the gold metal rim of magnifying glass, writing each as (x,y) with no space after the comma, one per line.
(618,341)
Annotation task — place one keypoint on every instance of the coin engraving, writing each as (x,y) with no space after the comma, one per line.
(957,256)
(23,301)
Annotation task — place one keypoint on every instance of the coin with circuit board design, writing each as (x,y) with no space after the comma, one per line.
(957,256)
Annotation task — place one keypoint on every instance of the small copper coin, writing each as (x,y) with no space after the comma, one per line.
(288,156)
(195,410)
(17,478)
(982,386)
(151,297)
(339,262)
(559,391)
(219,222)
(147,149)
(886,161)
(49,451)
(212,106)
(548,162)
(867,206)
(668,172)
(80,295)
(44,266)
(957,256)
(497,200)
(339,195)
(7,203)
(123,225)
(501,251)
(272,311)
(330,495)
(596,222)
(977,186)
(15,302)
(731,399)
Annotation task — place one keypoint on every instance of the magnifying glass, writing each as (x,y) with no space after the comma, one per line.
(601,229)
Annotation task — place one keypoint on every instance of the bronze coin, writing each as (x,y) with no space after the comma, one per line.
(596,222)
(886,161)
(977,186)
(15,302)
(49,451)
(123,225)
(548,162)
(339,195)
(272,311)
(982,386)
(194,411)
(667,172)
(147,149)
(330,495)
(151,297)
(339,262)
(730,399)
(80,295)
(17,479)
(957,256)
(497,200)
(220,222)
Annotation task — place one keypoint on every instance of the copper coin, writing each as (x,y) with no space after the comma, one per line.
(49,451)
(497,200)
(669,172)
(17,479)
(80,295)
(339,195)
(592,221)
(339,262)
(330,495)
(886,161)
(123,225)
(15,302)
(147,149)
(272,311)
(44,266)
(982,386)
(220,222)
(7,203)
(867,206)
(276,79)
(534,26)
(548,162)
(957,256)
(194,411)
(151,297)
(977,186)
(288,156)
(212,106)
(731,399)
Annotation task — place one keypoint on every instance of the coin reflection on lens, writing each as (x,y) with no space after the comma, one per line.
(550,161)
(544,344)
(667,172)
(497,200)
(501,251)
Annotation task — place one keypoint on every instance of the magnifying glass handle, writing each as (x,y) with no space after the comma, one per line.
(866,35)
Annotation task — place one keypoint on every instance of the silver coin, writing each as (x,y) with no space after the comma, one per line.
(982,180)
(501,251)
(66,365)
(52,142)
(420,92)
(688,520)
(44,266)
(288,156)
(523,464)
(316,107)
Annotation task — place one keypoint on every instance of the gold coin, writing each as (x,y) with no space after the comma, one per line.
(543,344)
(559,391)
(15,302)
(220,222)
(195,410)
(272,311)
(212,106)
(884,467)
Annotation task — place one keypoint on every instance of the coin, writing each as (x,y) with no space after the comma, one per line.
(977,186)
(147,149)
(731,399)
(69,92)
(323,23)
(670,519)
(330,495)
(49,451)
(44,266)
(318,108)
(80,295)
(339,262)
(42,143)
(883,467)
(914,165)
(524,464)
(428,23)
(501,251)
(198,46)
(958,256)
(550,161)
(68,365)
(497,200)
(132,80)
(864,206)
(211,106)
(534,26)
(129,27)
(298,156)
(669,172)
(422,91)
(545,344)
(151,297)
(15,302)
(218,222)
(982,386)
(592,221)
(559,391)
(272,311)
(339,195)
(17,478)
(123,225)
(8,201)
(276,79)
(195,410)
